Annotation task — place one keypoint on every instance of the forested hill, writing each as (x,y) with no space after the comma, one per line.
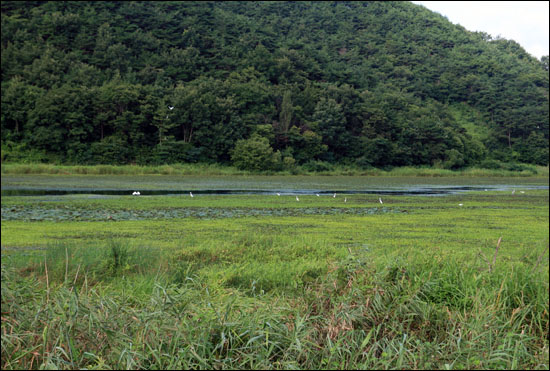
(265,85)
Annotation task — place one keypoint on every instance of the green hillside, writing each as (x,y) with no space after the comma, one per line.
(265,85)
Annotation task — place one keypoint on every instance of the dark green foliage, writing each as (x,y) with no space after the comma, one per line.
(255,154)
(511,166)
(371,83)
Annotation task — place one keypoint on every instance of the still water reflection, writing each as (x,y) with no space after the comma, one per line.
(406,191)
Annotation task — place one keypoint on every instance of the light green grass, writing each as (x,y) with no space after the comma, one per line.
(415,289)
(215,169)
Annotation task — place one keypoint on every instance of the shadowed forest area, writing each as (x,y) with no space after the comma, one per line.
(265,86)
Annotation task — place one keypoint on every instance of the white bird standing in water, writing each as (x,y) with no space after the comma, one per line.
(317,194)
(135,194)
(334,195)
(191,194)
(380,199)
(278,194)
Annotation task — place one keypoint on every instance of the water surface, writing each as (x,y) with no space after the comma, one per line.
(403,191)
(22,185)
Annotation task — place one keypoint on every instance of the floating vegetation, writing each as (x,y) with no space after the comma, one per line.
(64,213)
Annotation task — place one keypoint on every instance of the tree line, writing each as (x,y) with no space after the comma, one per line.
(265,85)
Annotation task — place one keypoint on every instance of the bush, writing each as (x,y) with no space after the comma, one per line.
(510,166)
(21,153)
(520,167)
(490,164)
(317,166)
(171,152)
(453,159)
(364,163)
(110,151)
(289,162)
(255,154)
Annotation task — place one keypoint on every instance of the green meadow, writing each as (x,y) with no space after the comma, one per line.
(199,169)
(268,282)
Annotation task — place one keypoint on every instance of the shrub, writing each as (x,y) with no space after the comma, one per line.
(453,159)
(20,152)
(171,152)
(490,164)
(255,154)
(110,151)
(317,166)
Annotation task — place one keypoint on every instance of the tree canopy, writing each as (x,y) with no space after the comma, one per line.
(367,83)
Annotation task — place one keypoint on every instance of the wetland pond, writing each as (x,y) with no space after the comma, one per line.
(75,198)
(157,185)
(405,191)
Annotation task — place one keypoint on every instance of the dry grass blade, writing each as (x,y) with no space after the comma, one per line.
(540,258)
(47,282)
(496,252)
(66,263)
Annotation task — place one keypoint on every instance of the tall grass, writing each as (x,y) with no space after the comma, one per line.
(216,169)
(184,169)
(414,313)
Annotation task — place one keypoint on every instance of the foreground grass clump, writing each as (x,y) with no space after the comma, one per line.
(418,285)
(425,313)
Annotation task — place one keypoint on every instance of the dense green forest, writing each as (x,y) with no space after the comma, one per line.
(265,85)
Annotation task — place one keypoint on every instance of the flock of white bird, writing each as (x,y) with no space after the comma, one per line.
(137,193)
(513,192)
(317,194)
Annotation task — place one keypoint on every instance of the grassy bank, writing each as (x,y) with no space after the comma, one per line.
(214,169)
(417,284)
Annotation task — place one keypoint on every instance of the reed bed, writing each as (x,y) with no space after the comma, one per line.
(440,286)
(216,169)
(421,315)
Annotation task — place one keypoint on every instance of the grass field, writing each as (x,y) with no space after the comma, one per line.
(520,170)
(267,282)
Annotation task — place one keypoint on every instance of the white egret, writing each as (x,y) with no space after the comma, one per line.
(317,195)
(380,199)
(137,193)
(345,199)
(513,191)
(278,194)
(171,108)
(334,195)
(460,204)
(297,199)
(191,194)
(134,193)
